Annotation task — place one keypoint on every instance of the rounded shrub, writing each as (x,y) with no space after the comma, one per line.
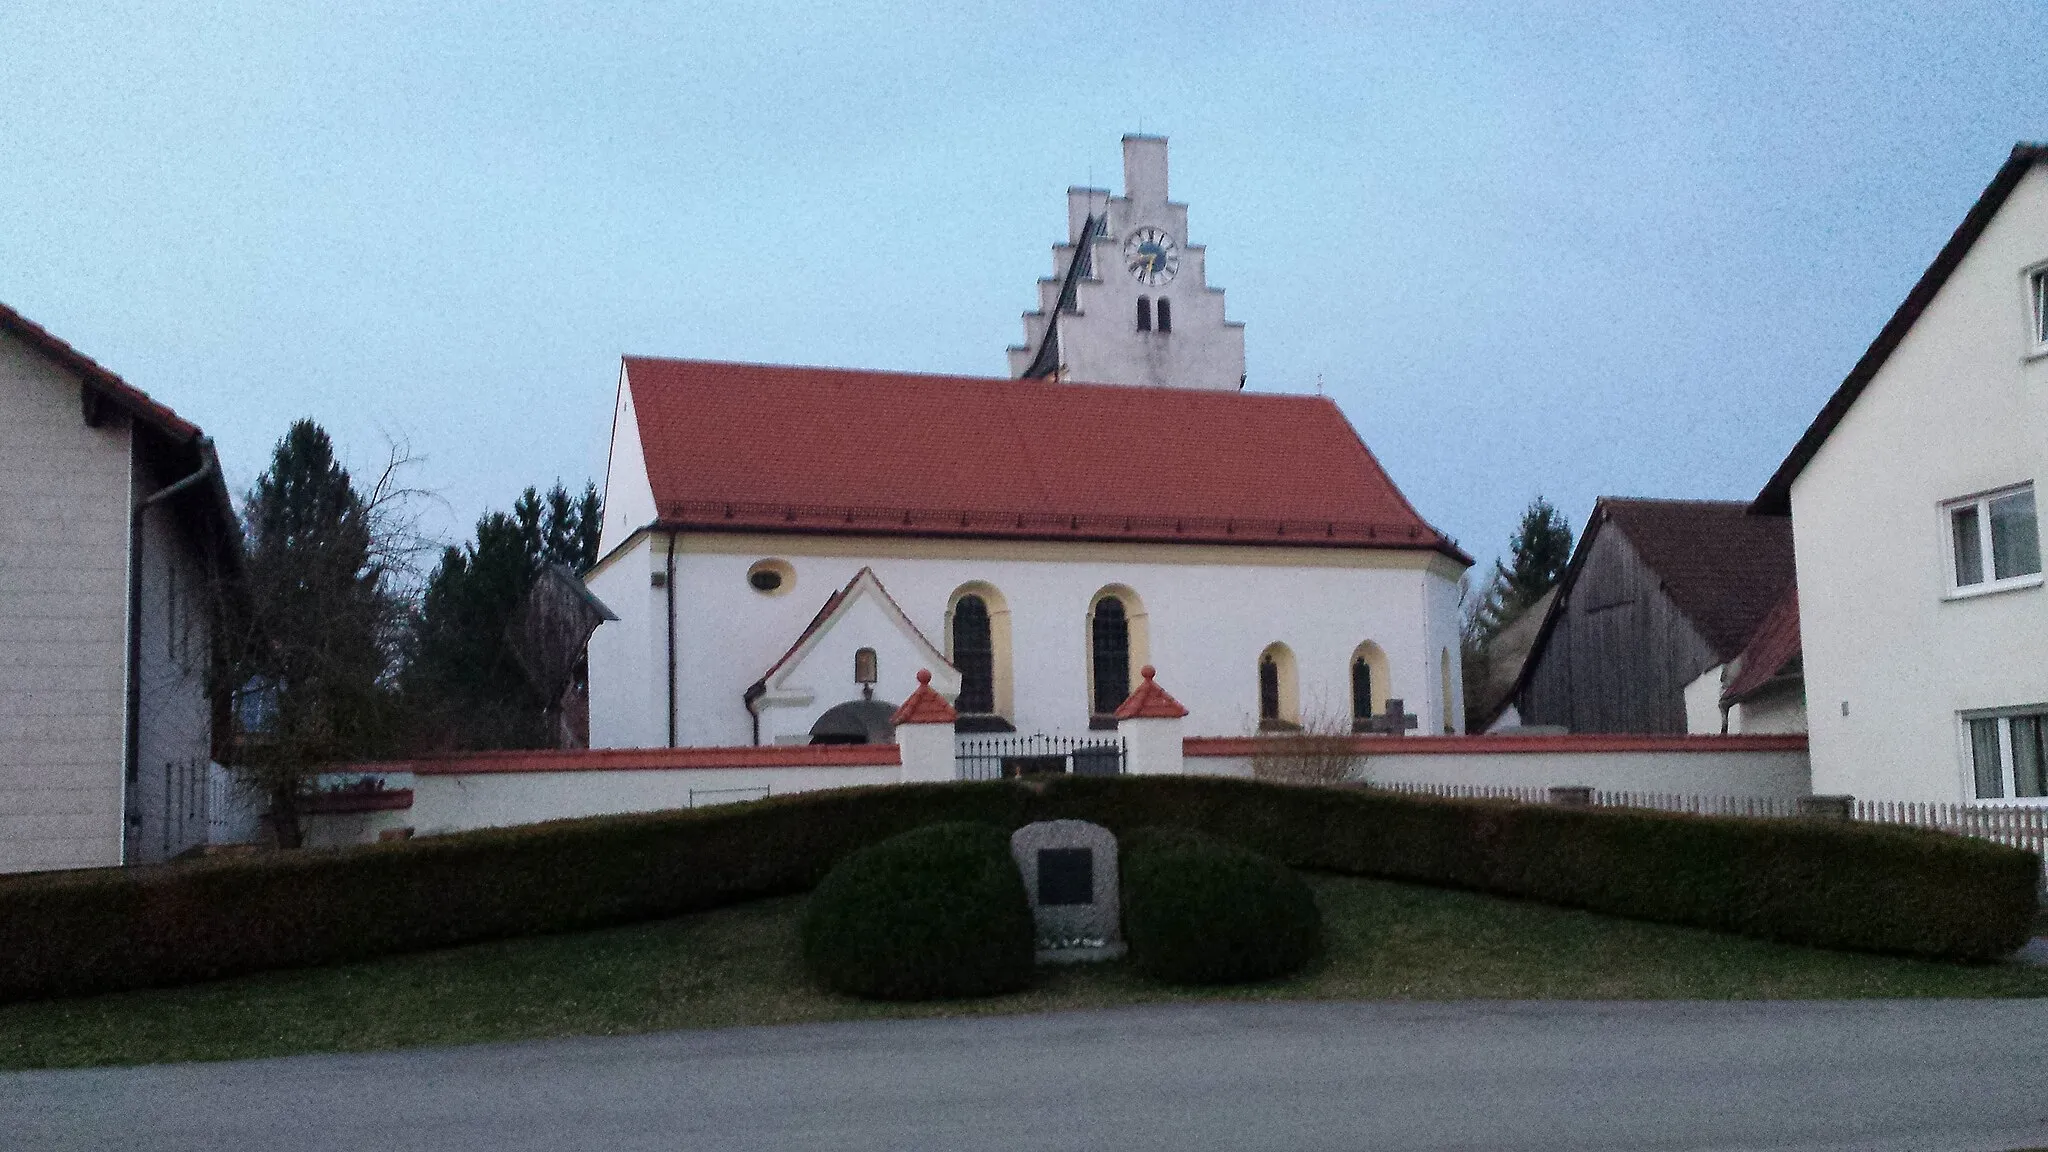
(934,913)
(1200,911)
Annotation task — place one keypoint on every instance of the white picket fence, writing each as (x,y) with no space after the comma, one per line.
(2024,827)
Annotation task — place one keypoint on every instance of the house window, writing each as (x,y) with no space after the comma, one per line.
(1165,314)
(1995,541)
(1144,314)
(1109,631)
(974,654)
(2009,755)
(2038,284)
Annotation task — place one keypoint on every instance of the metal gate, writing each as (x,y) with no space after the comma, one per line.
(1002,757)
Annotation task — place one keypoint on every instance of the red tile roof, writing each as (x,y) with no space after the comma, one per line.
(1773,650)
(1150,702)
(924,706)
(769,447)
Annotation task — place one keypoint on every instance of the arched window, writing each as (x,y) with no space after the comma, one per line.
(865,668)
(974,654)
(1369,685)
(978,643)
(1109,632)
(1165,314)
(1144,314)
(1279,690)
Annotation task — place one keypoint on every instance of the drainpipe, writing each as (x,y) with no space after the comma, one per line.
(131,758)
(670,583)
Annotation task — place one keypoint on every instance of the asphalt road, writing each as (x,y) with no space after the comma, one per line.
(1922,1075)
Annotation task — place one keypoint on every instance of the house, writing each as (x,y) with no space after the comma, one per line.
(1663,623)
(786,547)
(1922,618)
(117,527)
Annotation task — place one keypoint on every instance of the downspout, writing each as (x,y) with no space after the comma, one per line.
(669,581)
(131,758)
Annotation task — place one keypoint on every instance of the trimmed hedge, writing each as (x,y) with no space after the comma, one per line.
(1838,885)
(932,914)
(1200,911)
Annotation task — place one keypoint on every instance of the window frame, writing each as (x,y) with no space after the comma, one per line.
(2007,762)
(1986,546)
(2034,294)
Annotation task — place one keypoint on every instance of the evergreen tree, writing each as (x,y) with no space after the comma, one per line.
(462,676)
(309,628)
(1539,550)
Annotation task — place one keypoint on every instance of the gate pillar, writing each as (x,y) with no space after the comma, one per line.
(1149,722)
(924,734)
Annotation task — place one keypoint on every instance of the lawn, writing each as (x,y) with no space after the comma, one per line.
(738,966)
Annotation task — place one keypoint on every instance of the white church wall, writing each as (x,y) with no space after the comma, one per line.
(628,660)
(628,497)
(1210,611)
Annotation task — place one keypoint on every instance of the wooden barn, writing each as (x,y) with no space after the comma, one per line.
(1661,596)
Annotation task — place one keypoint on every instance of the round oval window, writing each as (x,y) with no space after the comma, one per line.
(771,577)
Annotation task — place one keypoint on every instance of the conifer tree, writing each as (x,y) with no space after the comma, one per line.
(462,677)
(310,629)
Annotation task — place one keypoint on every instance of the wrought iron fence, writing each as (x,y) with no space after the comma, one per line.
(1001,757)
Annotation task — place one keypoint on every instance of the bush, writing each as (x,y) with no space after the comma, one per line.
(1836,885)
(931,914)
(1200,911)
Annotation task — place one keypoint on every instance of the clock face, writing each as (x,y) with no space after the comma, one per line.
(1152,256)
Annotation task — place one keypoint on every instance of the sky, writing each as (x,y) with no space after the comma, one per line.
(1529,249)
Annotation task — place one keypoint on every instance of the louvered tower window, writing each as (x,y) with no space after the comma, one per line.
(1144,314)
(1165,314)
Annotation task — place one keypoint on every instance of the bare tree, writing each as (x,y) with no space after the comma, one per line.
(1323,752)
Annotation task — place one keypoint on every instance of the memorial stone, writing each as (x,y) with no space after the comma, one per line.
(1070,874)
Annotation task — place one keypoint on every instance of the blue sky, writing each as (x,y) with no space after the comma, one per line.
(1536,249)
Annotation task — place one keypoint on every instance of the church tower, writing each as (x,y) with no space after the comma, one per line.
(1129,301)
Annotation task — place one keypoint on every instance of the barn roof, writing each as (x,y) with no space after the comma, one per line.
(1723,567)
(761,447)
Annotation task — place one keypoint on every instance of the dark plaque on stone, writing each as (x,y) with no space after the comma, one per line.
(1066,876)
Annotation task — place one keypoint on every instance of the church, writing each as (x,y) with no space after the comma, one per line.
(786,548)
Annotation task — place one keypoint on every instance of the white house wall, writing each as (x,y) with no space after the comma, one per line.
(63,603)
(1957,409)
(1210,612)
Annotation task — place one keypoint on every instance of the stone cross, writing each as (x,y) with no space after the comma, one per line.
(1069,869)
(1396,721)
